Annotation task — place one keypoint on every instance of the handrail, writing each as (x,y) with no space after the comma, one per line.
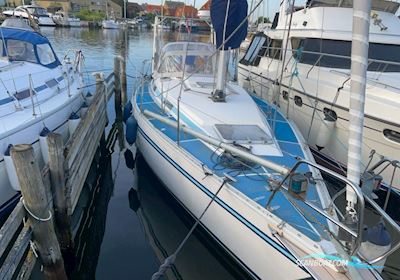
(287,173)
(280,169)
(357,191)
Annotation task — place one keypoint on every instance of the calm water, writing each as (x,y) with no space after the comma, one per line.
(132,223)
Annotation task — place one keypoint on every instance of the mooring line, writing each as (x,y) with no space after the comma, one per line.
(168,262)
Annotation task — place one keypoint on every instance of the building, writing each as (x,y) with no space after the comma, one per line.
(133,9)
(152,9)
(98,6)
(186,11)
(53,6)
(204,11)
(170,7)
(13,3)
(206,6)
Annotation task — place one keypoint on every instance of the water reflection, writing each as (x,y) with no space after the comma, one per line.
(166,223)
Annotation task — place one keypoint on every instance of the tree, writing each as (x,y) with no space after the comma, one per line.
(263,20)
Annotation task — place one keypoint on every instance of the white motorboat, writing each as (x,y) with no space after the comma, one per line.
(38,13)
(61,19)
(243,170)
(313,88)
(39,93)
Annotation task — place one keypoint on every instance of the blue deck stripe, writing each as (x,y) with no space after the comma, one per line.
(233,212)
(40,88)
(6,100)
(289,146)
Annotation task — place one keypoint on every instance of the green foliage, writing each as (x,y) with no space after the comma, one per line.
(263,20)
(88,15)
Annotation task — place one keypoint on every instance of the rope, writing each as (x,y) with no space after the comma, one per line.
(35,216)
(168,262)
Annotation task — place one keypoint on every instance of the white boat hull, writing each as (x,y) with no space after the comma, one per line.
(236,224)
(312,125)
(57,121)
(110,24)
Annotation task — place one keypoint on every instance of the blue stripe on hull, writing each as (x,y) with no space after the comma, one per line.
(221,203)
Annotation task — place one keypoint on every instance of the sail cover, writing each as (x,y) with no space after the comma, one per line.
(237,12)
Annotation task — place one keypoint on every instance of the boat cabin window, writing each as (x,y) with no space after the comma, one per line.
(45,54)
(38,11)
(392,135)
(275,49)
(199,64)
(191,58)
(21,51)
(337,53)
(262,46)
(252,56)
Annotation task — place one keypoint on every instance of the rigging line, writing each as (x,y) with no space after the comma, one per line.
(276,98)
(11,96)
(37,101)
(318,81)
(180,96)
(168,262)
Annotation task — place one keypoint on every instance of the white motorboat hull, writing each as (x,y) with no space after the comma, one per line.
(312,125)
(46,21)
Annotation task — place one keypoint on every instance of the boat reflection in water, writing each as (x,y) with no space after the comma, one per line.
(166,223)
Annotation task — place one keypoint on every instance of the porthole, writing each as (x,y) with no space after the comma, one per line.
(298,101)
(330,115)
(285,95)
(392,135)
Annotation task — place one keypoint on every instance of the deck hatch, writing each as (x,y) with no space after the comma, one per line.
(244,134)
(51,83)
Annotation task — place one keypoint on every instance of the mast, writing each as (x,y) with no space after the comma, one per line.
(125,9)
(106,9)
(229,20)
(359,66)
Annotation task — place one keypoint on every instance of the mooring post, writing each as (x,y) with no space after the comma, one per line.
(39,208)
(100,83)
(117,85)
(123,82)
(58,190)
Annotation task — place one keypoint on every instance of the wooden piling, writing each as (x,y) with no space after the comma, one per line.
(124,46)
(58,189)
(117,84)
(123,82)
(38,207)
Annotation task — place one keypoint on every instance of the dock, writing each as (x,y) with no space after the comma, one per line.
(39,229)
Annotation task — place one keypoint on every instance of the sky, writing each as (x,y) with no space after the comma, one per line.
(269,7)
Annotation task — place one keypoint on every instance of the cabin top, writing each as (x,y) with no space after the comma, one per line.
(18,44)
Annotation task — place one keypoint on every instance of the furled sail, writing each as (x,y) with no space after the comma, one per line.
(236,11)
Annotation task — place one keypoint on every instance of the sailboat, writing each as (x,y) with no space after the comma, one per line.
(39,94)
(242,170)
(110,22)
